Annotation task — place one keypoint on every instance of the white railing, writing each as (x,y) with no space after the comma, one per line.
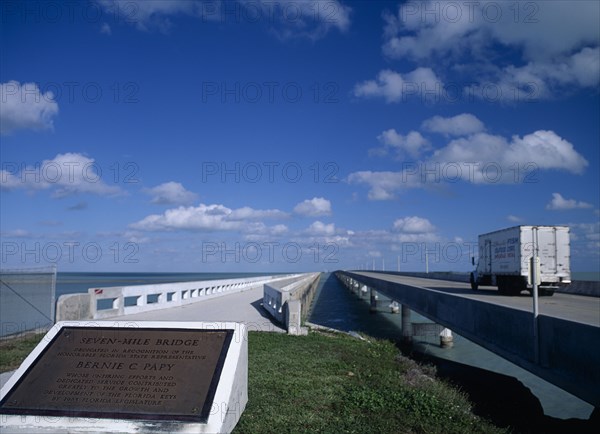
(124,300)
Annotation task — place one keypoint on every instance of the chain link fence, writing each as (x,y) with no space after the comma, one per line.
(27,300)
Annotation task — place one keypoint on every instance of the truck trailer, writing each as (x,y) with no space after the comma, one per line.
(505,259)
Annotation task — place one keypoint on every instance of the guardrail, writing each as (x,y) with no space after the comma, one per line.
(107,302)
(289,300)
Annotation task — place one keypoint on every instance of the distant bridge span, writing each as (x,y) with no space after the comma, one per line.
(568,325)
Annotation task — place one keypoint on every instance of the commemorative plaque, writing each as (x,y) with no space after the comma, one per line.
(153,374)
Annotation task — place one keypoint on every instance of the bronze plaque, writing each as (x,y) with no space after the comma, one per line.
(123,373)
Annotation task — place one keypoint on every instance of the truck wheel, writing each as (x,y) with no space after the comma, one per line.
(501,285)
(546,292)
(474,285)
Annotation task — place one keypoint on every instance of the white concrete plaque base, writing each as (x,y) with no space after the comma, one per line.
(230,389)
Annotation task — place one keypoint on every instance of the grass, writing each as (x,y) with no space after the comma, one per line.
(13,351)
(332,383)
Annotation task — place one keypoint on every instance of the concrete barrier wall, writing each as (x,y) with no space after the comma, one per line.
(577,287)
(289,300)
(568,356)
(107,302)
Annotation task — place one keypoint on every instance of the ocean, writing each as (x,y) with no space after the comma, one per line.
(71,282)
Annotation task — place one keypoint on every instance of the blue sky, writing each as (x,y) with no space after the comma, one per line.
(293,135)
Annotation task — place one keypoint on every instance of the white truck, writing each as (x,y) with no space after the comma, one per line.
(505,259)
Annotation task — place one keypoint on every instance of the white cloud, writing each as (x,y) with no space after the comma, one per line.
(146,15)
(285,18)
(17,233)
(543,149)
(317,206)
(514,218)
(171,193)
(540,80)
(413,225)
(66,174)
(559,203)
(208,218)
(478,158)
(396,87)
(413,144)
(459,125)
(24,106)
(247,213)
(555,42)
(542,30)
(312,19)
(105,29)
(318,228)
(382,184)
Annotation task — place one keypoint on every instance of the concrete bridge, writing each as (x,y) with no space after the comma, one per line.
(276,303)
(566,352)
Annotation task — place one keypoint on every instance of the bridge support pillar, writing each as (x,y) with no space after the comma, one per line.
(407,332)
(446,339)
(373,301)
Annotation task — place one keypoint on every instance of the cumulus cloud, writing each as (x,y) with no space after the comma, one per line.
(25,107)
(559,203)
(66,174)
(317,206)
(285,18)
(556,44)
(412,144)
(171,193)
(395,87)
(425,29)
(477,157)
(318,228)
(247,213)
(210,218)
(540,80)
(544,149)
(382,184)
(459,125)
(413,225)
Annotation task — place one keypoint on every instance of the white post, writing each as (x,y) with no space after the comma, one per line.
(446,339)
(426,261)
(373,264)
(535,283)
(382,264)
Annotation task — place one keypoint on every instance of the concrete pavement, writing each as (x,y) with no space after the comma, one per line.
(245,307)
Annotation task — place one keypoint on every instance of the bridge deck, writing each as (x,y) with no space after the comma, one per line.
(245,307)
